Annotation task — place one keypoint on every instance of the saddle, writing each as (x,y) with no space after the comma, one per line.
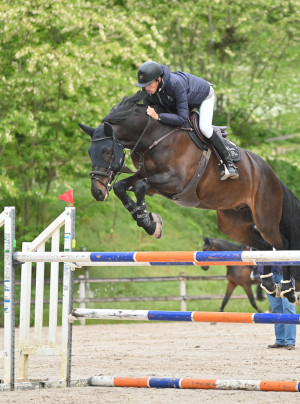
(233,150)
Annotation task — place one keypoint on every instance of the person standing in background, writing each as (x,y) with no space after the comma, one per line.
(285,333)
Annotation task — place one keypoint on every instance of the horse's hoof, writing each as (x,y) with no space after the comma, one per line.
(158,231)
(155,217)
(297,302)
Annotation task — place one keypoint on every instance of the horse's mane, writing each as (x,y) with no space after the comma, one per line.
(122,109)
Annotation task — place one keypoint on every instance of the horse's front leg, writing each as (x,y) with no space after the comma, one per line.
(120,189)
(151,223)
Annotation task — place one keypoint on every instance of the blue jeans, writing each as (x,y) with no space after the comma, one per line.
(285,333)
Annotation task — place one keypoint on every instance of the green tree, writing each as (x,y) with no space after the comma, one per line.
(62,62)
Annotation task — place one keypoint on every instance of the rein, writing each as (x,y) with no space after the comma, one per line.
(109,173)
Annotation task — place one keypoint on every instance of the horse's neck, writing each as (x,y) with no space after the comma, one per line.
(223,245)
(129,133)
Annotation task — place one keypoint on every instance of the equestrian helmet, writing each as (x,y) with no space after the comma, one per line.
(148,72)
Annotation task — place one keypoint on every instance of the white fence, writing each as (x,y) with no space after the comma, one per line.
(35,347)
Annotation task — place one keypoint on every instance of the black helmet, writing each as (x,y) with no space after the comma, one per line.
(148,72)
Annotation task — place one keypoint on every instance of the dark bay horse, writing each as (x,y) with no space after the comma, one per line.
(237,275)
(166,166)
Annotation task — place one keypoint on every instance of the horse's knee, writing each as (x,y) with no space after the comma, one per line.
(119,188)
(141,188)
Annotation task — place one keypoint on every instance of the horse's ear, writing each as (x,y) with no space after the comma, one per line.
(90,131)
(108,130)
(206,240)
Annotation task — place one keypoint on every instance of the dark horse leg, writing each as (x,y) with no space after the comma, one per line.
(245,233)
(151,223)
(249,293)
(230,288)
(160,182)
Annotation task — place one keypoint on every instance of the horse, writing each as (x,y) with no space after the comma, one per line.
(237,275)
(166,160)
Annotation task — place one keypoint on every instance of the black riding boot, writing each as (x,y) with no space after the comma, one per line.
(219,145)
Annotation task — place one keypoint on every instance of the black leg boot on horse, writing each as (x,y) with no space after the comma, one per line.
(267,282)
(287,287)
(148,221)
(227,169)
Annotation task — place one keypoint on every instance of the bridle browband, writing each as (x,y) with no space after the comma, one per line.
(110,173)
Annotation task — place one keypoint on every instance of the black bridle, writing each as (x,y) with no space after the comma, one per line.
(110,174)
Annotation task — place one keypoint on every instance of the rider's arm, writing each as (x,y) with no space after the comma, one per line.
(182,107)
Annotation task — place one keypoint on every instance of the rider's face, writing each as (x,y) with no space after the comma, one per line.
(152,88)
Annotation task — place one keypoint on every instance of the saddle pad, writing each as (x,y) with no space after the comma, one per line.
(195,138)
(233,150)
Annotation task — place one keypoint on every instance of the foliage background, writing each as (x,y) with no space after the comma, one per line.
(69,61)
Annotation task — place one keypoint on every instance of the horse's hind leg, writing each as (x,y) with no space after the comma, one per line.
(239,226)
(230,288)
(249,293)
(268,224)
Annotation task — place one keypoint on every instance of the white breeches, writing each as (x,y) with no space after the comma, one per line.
(206,112)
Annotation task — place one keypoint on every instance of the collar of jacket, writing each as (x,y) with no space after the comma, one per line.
(161,85)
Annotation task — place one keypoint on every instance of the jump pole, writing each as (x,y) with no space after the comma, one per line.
(185,383)
(191,316)
(156,258)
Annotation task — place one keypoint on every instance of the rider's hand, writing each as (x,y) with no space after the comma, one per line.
(152,113)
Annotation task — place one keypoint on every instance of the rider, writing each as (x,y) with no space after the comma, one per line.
(183,92)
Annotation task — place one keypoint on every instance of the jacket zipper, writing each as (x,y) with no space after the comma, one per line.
(163,103)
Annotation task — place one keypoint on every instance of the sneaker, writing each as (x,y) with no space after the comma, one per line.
(278,346)
(290,347)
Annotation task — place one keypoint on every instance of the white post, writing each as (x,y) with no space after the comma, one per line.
(81,291)
(54,279)
(9,297)
(25,299)
(39,299)
(183,291)
(67,298)
(88,291)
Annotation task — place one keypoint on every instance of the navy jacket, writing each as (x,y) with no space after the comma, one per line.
(181,92)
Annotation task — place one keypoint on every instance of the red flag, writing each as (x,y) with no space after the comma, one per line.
(67,197)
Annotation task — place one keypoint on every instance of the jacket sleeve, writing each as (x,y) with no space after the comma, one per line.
(182,107)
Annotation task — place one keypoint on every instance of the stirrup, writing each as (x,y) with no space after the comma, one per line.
(223,167)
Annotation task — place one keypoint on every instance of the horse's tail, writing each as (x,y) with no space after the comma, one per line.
(290,223)
(260,293)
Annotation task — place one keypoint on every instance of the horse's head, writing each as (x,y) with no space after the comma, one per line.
(207,247)
(208,244)
(107,156)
